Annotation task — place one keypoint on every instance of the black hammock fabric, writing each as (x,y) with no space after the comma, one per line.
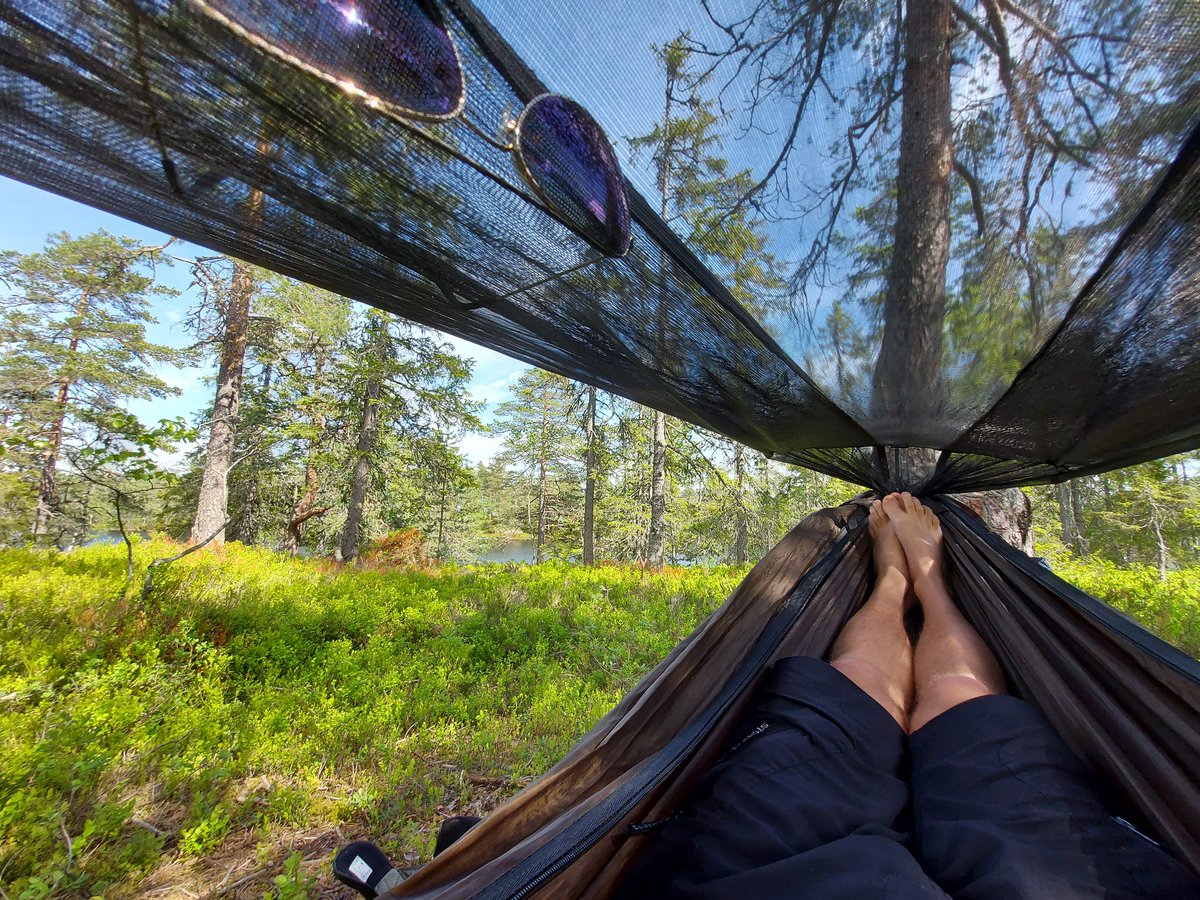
(1122,699)
(1066,339)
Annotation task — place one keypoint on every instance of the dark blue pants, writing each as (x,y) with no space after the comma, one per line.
(823,795)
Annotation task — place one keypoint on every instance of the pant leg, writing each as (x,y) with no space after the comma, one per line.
(1003,809)
(811,801)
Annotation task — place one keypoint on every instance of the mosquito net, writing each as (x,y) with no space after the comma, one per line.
(836,228)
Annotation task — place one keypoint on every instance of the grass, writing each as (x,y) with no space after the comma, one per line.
(259,711)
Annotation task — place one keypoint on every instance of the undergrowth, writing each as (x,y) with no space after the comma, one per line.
(1169,607)
(257,711)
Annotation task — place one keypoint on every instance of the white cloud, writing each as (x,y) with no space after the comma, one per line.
(173,460)
(479,448)
(183,380)
(495,391)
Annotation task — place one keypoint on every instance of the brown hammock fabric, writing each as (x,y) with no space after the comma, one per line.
(1122,699)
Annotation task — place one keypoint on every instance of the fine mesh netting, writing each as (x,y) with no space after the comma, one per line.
(784,297)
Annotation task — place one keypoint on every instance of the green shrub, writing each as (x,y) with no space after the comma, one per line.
(256,697)
(1168,607)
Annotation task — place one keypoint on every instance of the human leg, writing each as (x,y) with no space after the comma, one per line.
(1001,806)
(811,799)
(873,649)
(951,663)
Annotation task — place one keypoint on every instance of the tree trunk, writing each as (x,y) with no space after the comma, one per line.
(741,528)
(1006,512)
(441,538)
(304,508)
(907,386)
(364,450)
(47,499)
(212,505)
(1066,515)
(589,485)
(1080,521)
(1160,541)
(543,474)
(249,525)
(361,477)
(656,534)
(906,382)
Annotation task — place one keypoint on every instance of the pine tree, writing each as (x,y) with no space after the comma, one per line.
(73,331)
(698,196)
(541,444)
(407,393)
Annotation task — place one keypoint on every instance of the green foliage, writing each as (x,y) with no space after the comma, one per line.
(205,835)
(1169,607)
(73,350)
(256,696)
(293,884)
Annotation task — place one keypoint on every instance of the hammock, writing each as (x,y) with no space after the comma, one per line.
(1121,698)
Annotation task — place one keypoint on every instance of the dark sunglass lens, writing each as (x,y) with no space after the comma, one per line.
(396,50)
(570,162)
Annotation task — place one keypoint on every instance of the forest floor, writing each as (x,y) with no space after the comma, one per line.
(225,735)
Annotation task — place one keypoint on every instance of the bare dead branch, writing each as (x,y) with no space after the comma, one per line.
(976,197)
(148,583)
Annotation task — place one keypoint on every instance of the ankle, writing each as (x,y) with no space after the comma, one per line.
(931,589)
(892,580)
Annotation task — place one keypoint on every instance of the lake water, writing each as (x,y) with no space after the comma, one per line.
(523,550)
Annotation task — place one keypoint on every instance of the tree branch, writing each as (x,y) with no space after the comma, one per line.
(976,197)
(149,582)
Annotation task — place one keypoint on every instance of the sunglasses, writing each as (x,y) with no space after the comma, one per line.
(399,57)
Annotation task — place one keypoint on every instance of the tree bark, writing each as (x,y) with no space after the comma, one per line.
(543,475)
(907,386)
(1066,515)
(906,381)
(1077,511)
(1007,513)
(306,507)
(1070,516)
(47,499)
(656,534)
(364,450)
(212,505)
(250,521)
(741,529)
(589,485)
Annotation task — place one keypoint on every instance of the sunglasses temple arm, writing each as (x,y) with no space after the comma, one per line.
(551,277)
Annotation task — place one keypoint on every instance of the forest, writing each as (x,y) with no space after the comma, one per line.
(334,429)
(331,663)
(236,637)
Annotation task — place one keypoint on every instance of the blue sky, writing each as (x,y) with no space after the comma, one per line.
(32,214)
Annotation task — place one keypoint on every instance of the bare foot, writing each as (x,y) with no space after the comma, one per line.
(920,534)
(890,562)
